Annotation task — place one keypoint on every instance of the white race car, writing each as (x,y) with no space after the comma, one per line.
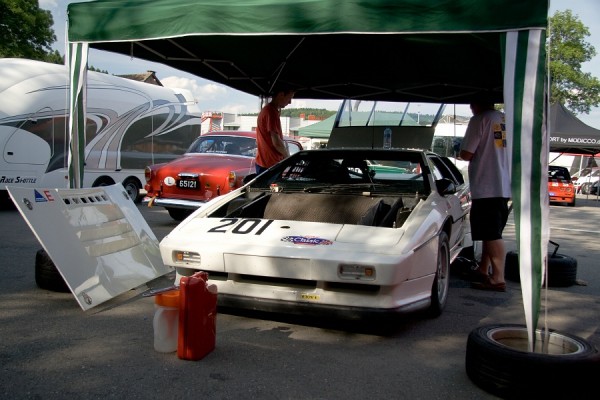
(346,231)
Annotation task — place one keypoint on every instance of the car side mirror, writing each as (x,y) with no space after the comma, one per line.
(248,178)
(445,186)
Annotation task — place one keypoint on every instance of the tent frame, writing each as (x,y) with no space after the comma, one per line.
(514,28)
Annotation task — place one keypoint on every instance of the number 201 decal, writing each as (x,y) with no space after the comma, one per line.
(245,226)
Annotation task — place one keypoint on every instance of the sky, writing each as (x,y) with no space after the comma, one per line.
(216,97)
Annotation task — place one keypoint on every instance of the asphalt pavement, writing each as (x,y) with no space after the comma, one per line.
(51,349)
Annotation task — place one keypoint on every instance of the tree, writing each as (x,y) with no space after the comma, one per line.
(25,30)
(567,49)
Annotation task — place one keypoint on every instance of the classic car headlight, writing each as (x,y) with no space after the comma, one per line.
(148,174)
(186,257)
(356,272)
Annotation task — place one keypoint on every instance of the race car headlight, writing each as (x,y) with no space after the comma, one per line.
(356,272)
(186,257)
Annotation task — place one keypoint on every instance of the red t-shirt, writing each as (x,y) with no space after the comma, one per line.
(268,121)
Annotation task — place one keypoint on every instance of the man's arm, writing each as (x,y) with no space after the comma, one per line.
(465,155)
(279,145)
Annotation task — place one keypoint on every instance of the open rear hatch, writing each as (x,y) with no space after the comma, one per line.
(96,237)
(385,124)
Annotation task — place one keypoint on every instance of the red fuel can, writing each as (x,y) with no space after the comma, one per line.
(197,317)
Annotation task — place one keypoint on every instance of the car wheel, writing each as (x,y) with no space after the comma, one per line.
(103,181)
(585,188)
(572,204)
(441,282)
(562,269)
(132,187)
(178,214)
(47,275)
(561,366)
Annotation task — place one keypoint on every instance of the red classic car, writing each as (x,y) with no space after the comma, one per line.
(215,163)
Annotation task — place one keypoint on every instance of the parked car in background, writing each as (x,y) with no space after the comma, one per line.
(214,164)
(560,186)
(585,179)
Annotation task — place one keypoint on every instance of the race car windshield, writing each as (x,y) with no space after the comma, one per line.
(335,170)
(236,145)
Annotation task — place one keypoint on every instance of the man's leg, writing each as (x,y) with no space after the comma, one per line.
(484,264)
(495,252)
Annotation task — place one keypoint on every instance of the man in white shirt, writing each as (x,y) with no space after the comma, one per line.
(485,147)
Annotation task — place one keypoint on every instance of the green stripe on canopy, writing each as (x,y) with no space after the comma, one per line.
(524,102)
(78,53)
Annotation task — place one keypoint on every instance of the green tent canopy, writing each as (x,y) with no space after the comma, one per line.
(441,51)
(319,130)
(409,50)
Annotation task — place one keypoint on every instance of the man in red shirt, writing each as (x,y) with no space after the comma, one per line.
(269,136)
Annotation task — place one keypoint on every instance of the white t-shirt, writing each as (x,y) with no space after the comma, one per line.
(489,169)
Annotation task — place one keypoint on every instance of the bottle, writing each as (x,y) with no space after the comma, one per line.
(387,138)
(166,321)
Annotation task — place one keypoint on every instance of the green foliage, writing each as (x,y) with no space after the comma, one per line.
(92,68)
(567,50)
(25,30)
(54,57)
(319,113)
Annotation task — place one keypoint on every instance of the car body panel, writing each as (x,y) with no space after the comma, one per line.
(96,238)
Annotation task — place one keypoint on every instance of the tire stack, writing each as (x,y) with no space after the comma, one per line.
(562,269)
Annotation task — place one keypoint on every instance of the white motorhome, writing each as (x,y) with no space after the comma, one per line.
(130,125)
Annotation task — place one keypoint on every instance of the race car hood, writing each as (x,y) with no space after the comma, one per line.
(96,238)
(275,238)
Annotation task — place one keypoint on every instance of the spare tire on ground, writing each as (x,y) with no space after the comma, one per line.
(562,269)
(47,275)
(562,366)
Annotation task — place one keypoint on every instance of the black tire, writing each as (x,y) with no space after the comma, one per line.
(46,275)
(178,214)
(132,187)
(497,360)
(562,269)
(511,267)
(585,188)
(103,181)
(573,203)
(441,282)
